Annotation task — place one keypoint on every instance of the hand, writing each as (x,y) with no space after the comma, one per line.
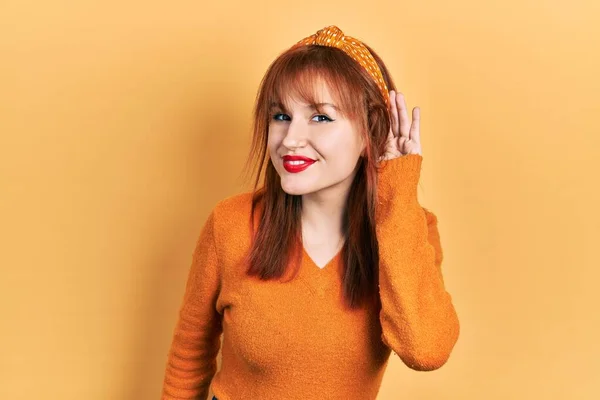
(404,138)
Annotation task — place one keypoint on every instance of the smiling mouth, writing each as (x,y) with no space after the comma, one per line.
(299,162)
(295,166)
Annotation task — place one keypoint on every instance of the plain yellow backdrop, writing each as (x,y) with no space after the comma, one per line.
(122,124)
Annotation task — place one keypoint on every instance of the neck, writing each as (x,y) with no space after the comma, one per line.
(323,213)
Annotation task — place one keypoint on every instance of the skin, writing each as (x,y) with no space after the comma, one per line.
(336,144)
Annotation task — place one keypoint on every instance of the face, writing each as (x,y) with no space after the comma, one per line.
(314,152)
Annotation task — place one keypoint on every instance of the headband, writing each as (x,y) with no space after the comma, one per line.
(333,36)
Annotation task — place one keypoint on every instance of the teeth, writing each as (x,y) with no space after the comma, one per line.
(296,162)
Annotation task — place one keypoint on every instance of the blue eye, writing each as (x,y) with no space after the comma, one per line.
(280,116)
(285,117)
(322,118)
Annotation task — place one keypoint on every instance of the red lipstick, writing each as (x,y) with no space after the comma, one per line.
(295,164)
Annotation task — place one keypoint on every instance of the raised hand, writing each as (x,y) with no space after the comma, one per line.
(403,138)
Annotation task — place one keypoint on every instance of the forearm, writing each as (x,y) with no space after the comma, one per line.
(418,319)
(192,357)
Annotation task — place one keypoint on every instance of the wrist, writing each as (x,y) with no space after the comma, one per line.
(399,177)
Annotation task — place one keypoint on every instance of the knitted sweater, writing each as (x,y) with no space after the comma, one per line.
(296,339)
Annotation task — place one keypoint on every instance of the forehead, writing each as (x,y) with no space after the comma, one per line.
(300,88)
(295,96)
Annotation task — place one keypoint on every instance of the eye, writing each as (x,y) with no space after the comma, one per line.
(280,117)
(322,118)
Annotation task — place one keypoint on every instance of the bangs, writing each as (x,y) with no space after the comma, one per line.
(301,74)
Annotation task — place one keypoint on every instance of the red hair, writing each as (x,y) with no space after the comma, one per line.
(295,73)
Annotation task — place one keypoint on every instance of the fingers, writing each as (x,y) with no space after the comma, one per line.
(415,131)
(394,112)
(407,135)
(403,115)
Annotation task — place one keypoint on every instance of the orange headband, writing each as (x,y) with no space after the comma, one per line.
(333,36)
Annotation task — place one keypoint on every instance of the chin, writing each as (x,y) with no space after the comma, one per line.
(295,190)
(298,187)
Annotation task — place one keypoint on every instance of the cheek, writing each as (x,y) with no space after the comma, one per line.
(273,142)
(342,148)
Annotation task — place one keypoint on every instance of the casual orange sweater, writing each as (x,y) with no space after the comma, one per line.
(296,339)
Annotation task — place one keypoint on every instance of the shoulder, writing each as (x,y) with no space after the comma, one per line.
(231,217)
(233,208)
(231,226)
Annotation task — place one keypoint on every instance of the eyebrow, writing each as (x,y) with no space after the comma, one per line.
(311,106)
(325,104)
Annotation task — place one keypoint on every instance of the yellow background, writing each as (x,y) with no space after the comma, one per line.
(123,123)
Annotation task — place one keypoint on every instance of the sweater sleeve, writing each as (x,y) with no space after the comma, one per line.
(196,342)
(418,320)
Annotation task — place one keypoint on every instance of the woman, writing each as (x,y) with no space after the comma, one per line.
(315,278)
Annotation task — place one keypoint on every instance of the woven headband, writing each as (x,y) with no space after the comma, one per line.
(333,36)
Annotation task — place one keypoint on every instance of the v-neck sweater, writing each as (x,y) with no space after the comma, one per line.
(297,339)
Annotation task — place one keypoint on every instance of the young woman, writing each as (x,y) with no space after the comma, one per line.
(317,276)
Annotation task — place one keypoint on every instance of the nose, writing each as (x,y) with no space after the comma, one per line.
(296,135)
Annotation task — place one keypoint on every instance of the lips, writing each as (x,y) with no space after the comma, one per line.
(295,164)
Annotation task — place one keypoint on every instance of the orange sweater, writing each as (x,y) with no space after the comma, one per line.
(296,340)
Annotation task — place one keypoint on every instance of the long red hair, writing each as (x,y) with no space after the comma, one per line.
(278,236)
